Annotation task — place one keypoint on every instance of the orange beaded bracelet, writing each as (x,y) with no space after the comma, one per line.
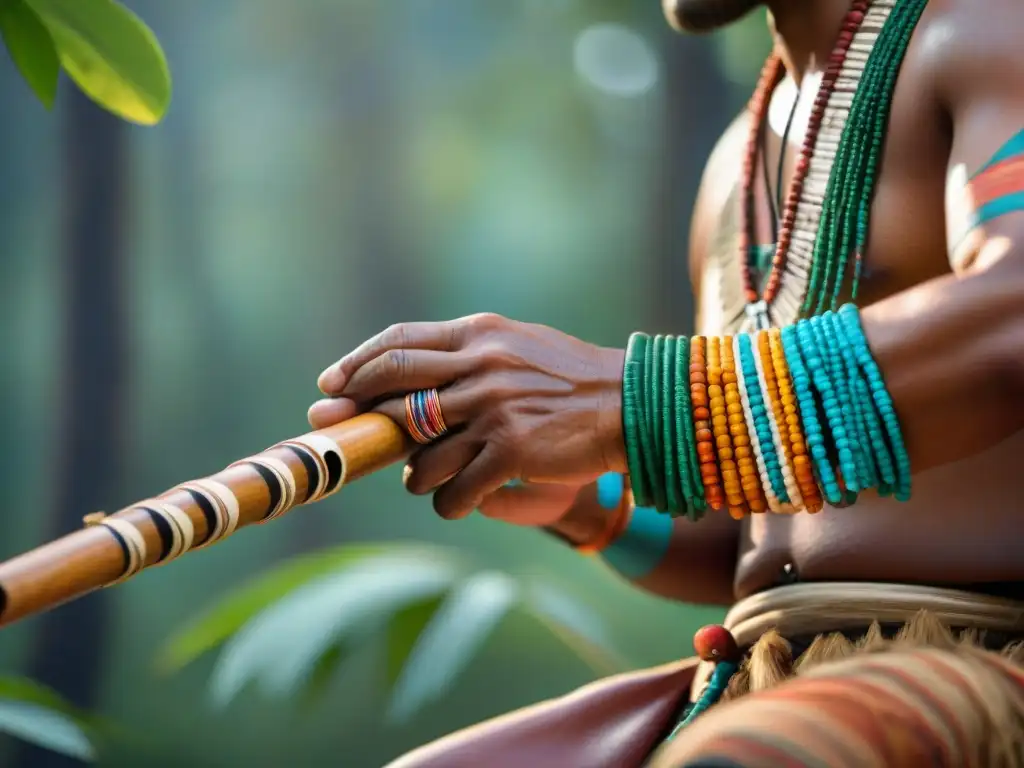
(706,454)
(720,429)
(790,424)
(750,480)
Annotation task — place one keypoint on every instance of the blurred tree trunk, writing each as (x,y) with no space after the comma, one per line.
(697,110)
(68,653)
(388,270)
(12,415)
(211,323)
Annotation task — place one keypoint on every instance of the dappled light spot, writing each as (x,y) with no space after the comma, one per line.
(615,60)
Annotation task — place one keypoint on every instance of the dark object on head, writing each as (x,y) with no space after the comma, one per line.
(700,16)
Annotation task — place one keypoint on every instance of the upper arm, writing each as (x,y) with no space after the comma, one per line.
(981,83)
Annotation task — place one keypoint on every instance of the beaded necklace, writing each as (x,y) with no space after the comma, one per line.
(827,209)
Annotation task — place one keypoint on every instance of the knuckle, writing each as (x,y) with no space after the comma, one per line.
(394,335)
(493,355)
(511,431)
(484,322)
(496,393)
(397,363)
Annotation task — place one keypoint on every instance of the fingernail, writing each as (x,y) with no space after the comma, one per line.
(331,380)
(312,412)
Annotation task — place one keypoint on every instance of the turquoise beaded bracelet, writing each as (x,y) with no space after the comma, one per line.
(846,416)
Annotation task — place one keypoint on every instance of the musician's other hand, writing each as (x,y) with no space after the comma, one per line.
(526,504)
(522,401)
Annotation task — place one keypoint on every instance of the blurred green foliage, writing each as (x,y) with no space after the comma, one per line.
(109,53)
(33,713)
(426,610)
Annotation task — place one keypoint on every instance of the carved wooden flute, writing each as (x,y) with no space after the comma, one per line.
(113,548)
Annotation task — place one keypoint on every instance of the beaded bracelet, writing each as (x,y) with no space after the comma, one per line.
(779,420)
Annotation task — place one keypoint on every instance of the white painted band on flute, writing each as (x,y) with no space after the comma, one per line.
(183,530)
(216,531)
(323,446)
(134,544)
(228,500)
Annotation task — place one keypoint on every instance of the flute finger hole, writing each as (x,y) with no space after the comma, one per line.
(335,470)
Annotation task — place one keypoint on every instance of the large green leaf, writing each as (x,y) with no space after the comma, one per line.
(403,633)
(450,641)
(111,54)
(35,714)
(281,648)
(31,48)
(233,612)
(578,628)
(289,632)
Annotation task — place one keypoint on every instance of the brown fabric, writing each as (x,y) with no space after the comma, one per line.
(612,723)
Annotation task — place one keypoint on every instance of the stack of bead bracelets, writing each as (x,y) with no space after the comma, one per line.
(777,420)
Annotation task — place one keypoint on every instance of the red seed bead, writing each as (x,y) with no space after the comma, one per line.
(771,76)
(715,643)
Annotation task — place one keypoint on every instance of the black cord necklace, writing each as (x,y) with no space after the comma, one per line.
(767,252)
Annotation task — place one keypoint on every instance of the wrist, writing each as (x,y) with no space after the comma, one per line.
(598,517)
(592,515)
(609,416)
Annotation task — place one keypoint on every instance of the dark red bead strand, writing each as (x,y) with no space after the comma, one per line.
(771,75)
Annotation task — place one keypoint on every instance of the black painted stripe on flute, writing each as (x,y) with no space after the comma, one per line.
(312,470)
(3,601)
(208,512)
(273,486)
(125,552)
(334,465)
(164,529)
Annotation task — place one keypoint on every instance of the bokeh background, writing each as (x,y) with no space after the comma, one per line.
(328,167)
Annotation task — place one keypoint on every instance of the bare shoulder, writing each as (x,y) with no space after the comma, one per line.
(972,48)
(718,182)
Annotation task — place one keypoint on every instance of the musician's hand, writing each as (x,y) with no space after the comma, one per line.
(522,401)
(528,504)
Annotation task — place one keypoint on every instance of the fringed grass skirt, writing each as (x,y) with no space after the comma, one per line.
(938,690)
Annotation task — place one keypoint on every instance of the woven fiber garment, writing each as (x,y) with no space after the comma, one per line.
(887,704)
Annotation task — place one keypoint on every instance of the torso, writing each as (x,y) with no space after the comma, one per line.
(965,520)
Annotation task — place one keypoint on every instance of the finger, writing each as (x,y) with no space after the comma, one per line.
(533,504)
(398,371)
(437,336)
(331,410)
(432,466)
(466,491)
(458,404)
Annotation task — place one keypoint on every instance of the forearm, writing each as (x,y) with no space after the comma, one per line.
(676,559)
(952,354)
